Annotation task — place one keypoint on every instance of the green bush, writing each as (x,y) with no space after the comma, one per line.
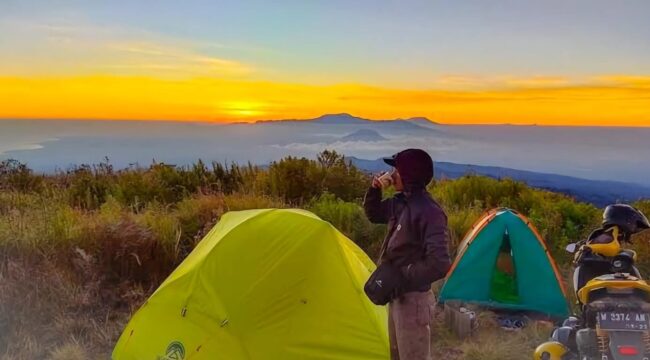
(644,206)
(559,219)
(176,204)
(90,185)
(299,180)
(15,175)
(37,223)
(460,222)
(101,240)
(236,202)
(293,179)
(196,215)
(340,177)
(350,219)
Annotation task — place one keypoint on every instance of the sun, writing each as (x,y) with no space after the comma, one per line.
(242,109)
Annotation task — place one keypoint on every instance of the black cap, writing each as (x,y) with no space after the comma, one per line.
(390,160)
(415,166)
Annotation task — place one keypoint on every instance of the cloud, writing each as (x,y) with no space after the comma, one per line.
(394,144)
(537,81)
(626,80)
(178,57)
(462,81)
(479,82)
(74,47)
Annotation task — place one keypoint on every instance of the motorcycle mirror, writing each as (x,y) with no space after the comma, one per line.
(571,248)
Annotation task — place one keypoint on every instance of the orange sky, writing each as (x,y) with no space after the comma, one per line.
(548,62)
(604,100)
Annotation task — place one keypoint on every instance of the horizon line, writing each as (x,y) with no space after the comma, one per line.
(259,121)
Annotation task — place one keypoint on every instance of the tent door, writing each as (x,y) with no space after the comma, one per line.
(503,288)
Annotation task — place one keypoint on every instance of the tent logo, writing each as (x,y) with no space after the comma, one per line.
(175,351)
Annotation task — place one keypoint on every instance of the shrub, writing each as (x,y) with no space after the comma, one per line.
(134,189)
(294,180)
(350,219)
(90,185)
(236,202)
(127,250)
(460,222)
(15,175)
(558,218)
(340,177)
(101,240)
(298,180)
(196,216)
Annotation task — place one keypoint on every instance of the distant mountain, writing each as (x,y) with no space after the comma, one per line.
(340,119)
(329,119)
(364,135)
(597,192)
(347,120)
(371,166)
(421,121)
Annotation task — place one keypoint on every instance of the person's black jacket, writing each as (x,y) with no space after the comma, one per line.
(417,241)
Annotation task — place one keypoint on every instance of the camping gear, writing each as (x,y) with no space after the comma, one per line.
(535,285)
(626,217)
(512,322)
(263,284)
(462,321)
(383,284)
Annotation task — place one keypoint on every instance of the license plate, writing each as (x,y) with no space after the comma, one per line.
(624,321)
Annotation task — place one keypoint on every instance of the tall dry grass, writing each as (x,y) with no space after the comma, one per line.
(80,251)
(70,277)
(490,341)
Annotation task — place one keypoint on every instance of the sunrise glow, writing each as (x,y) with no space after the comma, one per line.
(224,63)
(620,101)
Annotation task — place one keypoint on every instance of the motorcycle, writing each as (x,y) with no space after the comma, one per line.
(615,305)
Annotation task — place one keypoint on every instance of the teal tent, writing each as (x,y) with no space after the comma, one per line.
(503,263)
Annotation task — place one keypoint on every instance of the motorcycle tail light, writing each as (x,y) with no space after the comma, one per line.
(628,350)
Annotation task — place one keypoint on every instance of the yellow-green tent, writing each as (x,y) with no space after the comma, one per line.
(263,284)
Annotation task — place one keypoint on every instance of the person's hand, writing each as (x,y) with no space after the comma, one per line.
(376,183)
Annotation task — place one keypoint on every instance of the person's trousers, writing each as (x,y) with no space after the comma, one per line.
(410,319)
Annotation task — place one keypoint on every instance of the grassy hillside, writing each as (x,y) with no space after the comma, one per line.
(80,250)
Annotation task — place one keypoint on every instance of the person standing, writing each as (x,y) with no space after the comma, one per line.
(416,245)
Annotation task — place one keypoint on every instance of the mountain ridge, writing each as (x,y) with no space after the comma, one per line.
(348,119)
(597,192)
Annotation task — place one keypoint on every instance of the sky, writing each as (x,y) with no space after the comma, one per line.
(545,62)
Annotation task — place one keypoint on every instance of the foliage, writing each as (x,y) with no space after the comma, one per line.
(17,176)
(89,185)
(350,219)
(641,241)
(196,195)
(298,180)
(559,219)
(101,239)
